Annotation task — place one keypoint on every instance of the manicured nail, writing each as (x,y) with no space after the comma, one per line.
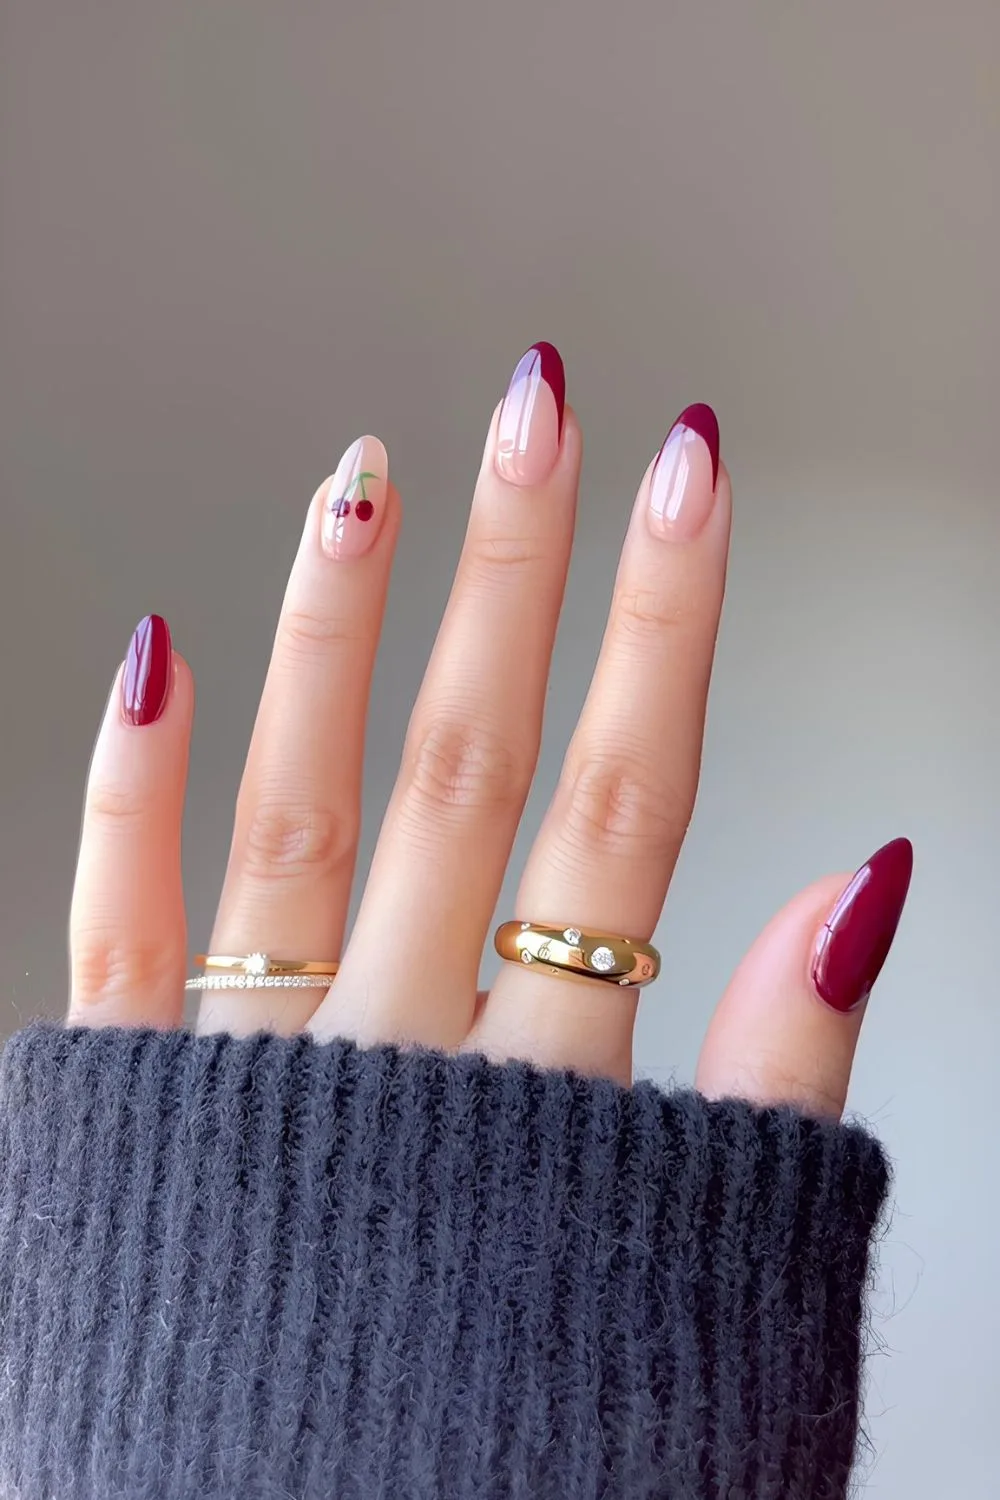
(855,940)
(682,484)
(355,502)
(149,670)
(531,417)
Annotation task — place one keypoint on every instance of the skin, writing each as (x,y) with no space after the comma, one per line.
(603,858)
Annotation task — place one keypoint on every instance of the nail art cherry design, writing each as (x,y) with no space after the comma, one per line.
(363,508)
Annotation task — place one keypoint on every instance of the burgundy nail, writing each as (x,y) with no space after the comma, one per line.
(855,941)
(552,372)
(700,418)
(148,672)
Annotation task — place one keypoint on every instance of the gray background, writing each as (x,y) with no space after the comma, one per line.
(236,235)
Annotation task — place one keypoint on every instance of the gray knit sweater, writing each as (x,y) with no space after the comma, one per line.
(274,1270)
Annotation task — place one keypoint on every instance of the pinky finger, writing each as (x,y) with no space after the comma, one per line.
(128,940)
(786,1030)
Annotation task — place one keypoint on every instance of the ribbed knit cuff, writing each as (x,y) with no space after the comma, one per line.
(265,1268)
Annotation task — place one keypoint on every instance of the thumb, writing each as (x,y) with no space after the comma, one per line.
(787,1027)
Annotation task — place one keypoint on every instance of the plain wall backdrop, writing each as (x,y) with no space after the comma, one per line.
(236,235)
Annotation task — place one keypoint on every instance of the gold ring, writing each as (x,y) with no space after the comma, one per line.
(259,964)
(260,982)
(569,952)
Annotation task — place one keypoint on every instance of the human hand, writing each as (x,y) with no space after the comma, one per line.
(786,1028)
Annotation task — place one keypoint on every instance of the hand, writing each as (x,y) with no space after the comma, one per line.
(786,1029)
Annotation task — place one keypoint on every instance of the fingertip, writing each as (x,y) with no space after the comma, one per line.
(183,689)
(771,1040)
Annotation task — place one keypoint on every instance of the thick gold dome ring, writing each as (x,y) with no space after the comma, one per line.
(569,952)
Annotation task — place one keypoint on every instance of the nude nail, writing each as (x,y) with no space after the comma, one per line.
(682,484)
(530,426)
(355,502)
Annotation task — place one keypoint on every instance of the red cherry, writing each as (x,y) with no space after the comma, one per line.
(364,510)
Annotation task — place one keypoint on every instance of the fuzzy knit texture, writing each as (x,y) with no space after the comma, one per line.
(274,1270)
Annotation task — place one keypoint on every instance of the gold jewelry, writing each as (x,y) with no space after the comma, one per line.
(262,963)
(261,982)
(258,971)
(568,952)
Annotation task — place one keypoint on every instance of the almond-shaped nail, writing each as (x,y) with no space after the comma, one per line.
(148,672)
(355,503)
(531,418)
(854,942)
(682,484)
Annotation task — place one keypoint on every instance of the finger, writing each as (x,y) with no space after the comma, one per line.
(127,931)
(607,848)
(786,1030)
(295,836)
(411,967)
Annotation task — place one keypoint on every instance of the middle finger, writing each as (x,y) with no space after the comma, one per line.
(411,967)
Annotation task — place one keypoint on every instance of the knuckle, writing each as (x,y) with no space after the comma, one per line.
(105,965)
(490,557)
(304,632)
(456,767)
(117,806)
(282,841)
(619,810)
(649,612)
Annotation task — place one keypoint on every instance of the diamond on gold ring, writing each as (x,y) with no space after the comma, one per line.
(572,952)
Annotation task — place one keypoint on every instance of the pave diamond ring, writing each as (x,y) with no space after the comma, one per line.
(569,952)
(258,971)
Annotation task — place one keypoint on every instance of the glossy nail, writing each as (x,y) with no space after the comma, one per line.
(355,503)
(149,670)
(682,484)
(531,418)
(855,940)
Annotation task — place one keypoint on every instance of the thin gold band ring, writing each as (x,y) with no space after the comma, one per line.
(571,953)
(262,963)
(259,982)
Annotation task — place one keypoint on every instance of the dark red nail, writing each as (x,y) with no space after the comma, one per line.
(854,943)
(148,672)
(545,360)
(700,418)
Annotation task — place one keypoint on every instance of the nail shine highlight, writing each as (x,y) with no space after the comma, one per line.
(685,474)
(854,942)
(148,672)
(529,430)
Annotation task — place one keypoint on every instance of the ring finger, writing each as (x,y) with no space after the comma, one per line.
(610,840)
(288,881)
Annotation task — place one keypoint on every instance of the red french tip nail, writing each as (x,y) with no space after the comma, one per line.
(148,671)
(553,372)
(700,418)
(855,940)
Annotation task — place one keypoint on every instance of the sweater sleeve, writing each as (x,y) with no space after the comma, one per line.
(274,1270)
